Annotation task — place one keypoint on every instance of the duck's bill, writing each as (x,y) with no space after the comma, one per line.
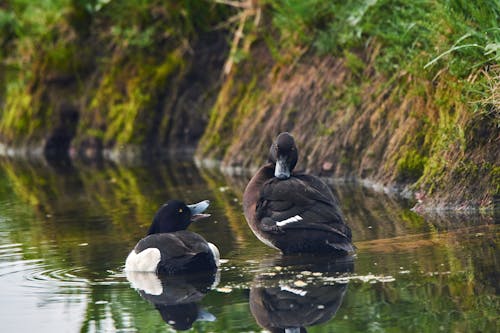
(197,210)
(281,171)
(197,217)
(292,330)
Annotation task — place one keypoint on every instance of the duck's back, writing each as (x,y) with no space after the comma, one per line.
(306,213)
(175,252)
(300,193)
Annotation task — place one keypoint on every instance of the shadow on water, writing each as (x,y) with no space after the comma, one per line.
(65,231)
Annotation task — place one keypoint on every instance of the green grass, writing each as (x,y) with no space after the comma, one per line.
(440,56)
(457,34)
(134,42)
(420,37)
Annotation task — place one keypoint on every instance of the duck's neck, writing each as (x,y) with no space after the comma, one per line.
(153,229)
(157,228)
(252,191)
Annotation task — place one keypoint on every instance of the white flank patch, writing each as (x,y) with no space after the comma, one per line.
(215,253)
(292,219)
(293,290)
(145,261)
(145,281)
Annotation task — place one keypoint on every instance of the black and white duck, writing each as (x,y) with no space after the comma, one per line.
(169,248)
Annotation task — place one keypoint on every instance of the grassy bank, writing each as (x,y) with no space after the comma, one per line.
(399,93)
(107,73)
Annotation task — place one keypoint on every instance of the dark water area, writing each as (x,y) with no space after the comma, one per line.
(65,232)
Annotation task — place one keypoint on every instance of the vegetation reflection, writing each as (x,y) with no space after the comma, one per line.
(423,274)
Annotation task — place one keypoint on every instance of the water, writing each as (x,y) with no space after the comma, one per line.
(65,233)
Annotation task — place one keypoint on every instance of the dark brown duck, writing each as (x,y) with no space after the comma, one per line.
(294,212)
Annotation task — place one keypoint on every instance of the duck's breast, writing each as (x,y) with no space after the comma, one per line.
(252,193)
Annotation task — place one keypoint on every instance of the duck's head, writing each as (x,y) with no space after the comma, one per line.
(175,215)
(283,153)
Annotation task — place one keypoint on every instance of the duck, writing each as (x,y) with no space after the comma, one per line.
(169,248)
(294,212)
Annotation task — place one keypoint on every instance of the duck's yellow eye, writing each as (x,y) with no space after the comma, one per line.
(180,210)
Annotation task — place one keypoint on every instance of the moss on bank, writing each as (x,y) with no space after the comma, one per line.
(126,69)
(399,93)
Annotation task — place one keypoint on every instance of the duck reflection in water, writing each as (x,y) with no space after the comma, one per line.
(176,297)
(282,302)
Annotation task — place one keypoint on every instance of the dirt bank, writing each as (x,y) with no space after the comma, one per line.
(416,137)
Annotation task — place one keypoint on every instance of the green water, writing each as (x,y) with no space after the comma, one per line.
(65,233)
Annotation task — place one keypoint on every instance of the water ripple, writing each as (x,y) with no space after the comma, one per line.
(39,276)
(114,277)
(35,273)
(9,250)
(17,266)
(62,277)
(9,246)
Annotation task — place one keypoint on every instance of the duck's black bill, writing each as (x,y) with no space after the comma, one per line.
(282,170)
(197,210)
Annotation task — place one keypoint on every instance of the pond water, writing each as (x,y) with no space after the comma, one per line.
(66,231)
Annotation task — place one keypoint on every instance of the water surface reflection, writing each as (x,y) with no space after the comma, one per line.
(284,301)
(176,298)
(65,233)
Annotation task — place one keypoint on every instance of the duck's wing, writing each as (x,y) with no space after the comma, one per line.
(299,190)
(301,202)
(178,250)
